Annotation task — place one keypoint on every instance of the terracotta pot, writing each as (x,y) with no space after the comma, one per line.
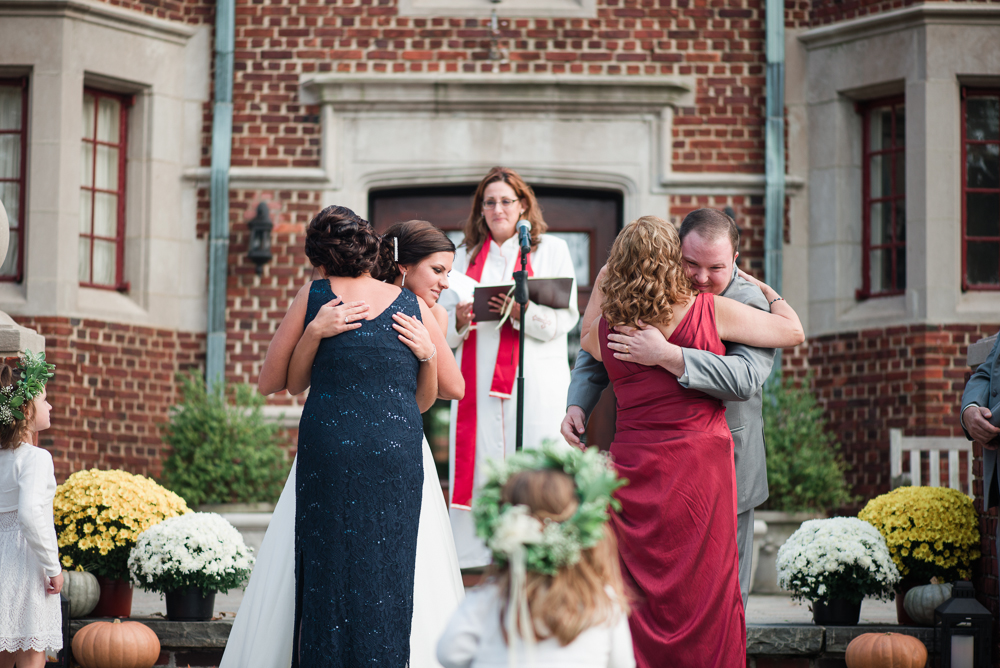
(190,605)
(836,612)
(115,600)
(902,618)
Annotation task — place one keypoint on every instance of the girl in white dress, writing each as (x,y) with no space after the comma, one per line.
(30,614)
(417,256)
(556,599)
(484,423)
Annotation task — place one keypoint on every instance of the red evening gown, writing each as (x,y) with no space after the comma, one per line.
(677,527)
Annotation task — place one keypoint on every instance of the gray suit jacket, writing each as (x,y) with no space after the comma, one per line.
(737,379)
(983,389)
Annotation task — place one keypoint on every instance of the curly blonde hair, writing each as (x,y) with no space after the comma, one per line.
(644,277)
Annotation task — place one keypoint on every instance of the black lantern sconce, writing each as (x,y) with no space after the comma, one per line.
(962,629)
(260,237)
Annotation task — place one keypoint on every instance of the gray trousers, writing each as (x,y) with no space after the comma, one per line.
(744,543)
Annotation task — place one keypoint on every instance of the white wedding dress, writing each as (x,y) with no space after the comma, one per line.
(261,636)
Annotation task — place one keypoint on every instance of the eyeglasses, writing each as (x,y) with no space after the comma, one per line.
(492,203)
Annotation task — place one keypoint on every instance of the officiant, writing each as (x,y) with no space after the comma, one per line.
(483,424)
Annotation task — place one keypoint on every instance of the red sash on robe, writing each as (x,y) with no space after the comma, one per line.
(502,387)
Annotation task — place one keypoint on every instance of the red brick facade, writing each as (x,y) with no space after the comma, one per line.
(113,387)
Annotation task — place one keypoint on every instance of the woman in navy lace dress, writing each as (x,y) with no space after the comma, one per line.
(360,470)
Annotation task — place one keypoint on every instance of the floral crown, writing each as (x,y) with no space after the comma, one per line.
(546,546)
(34,372)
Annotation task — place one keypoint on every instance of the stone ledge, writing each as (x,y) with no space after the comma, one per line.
(176,635)
(839,637)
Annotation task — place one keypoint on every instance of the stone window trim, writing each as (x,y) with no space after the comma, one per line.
(91,238)
(17,223)
(512,8)
(893,244)
(967,191)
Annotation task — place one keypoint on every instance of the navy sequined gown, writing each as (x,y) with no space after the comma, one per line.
(360,476)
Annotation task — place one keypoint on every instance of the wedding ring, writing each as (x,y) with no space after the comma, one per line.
(626,349)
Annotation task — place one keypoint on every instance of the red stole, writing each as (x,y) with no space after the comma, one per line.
(503,386)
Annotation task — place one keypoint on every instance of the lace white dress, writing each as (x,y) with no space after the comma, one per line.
(30,619)
(261,636)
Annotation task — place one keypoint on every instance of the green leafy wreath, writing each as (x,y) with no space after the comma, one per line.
(34,372)
(548,546)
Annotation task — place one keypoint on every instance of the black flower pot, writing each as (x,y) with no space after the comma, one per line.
(188,604)
(836,612)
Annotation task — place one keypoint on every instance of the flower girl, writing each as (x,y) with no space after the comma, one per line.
(30,614)
(556,597)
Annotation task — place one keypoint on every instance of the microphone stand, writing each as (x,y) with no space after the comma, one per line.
(521,297)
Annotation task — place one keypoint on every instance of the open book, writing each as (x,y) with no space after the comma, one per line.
(552,292)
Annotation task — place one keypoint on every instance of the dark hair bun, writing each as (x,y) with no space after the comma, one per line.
(341,242)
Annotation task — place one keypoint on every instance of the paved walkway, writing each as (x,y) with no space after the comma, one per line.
(761,609)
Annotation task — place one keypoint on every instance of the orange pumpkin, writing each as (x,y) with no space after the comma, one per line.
(116,644)
(886,650)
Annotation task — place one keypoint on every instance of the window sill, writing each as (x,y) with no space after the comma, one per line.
(101,301)
(877,308)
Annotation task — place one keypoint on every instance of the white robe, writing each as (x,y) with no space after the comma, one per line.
(546,375)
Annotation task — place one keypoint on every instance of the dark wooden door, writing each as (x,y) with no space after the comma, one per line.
(588,220)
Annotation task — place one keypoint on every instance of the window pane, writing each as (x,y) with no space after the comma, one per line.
(85,212)
(982,162)
(982,214)
(87,164)
(105,215)
(104,262)
(10,196)
(900,135)
(899,162)
(880,128)
(84,260)
(108,113)
(107,168)
(900,206)
(579,250)
(88,116)
(982,260)
(9,266)
(10,156)
(982,118)
(900,269)
(881,270)
(880,184)
(881,224)
(10,107)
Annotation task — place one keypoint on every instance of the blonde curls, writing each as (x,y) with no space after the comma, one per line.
(644,277)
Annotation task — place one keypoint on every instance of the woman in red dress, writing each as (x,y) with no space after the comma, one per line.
(677,526)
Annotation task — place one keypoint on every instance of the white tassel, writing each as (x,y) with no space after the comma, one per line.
(505,313)
(518,612)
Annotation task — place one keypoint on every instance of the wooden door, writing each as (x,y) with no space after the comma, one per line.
(588,220)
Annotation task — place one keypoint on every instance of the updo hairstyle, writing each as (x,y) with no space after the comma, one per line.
(416,240)
(14,433)
(342,243)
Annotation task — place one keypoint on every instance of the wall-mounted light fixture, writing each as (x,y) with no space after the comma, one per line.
(260,237)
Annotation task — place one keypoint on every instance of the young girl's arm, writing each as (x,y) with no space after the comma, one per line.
(36,487)
(451,384)
(460,641)
(621,655)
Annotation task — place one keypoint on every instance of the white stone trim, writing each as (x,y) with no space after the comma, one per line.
(253,178)
(483,8)
(102,14)
(284,416)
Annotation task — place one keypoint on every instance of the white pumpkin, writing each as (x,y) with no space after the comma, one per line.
(920,602)
(82,591)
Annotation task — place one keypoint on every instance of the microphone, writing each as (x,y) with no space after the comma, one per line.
(524,234)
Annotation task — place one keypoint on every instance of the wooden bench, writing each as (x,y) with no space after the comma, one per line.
(933,446)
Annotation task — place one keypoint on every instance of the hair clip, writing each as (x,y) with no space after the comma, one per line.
(395,249)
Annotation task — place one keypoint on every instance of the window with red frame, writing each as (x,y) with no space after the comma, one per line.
(13,156)
(102,189)
(980,189)
(883,238)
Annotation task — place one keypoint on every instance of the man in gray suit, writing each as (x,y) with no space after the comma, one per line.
(709,240)
(982,393)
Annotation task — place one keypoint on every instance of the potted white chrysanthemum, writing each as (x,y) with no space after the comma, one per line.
(836,563)
(189,558)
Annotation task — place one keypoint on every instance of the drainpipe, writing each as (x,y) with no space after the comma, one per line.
(774,147)
(222,141)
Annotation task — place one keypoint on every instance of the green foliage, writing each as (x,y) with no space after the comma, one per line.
(222,451)
(804,468)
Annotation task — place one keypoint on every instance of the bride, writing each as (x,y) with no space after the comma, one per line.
(418,256)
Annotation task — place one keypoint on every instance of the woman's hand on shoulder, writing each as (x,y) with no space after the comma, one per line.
(413,333)
(335,317)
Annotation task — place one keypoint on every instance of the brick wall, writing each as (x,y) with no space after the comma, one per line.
(749,210)
(114,385)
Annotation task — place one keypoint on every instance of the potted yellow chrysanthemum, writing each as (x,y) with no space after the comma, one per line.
(98,517)
(930,531)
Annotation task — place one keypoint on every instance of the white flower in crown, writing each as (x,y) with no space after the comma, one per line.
(516,528)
